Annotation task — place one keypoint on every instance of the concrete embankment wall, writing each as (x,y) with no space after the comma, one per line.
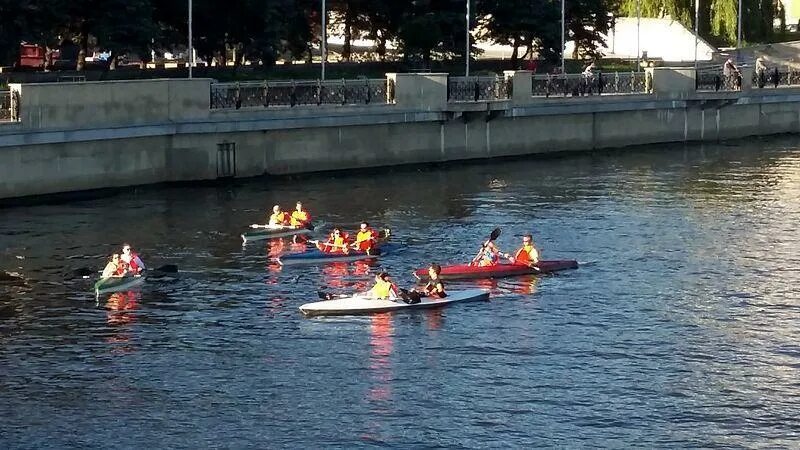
(95,135)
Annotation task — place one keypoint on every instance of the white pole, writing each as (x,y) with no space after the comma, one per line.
(563,43)
(638,48)
(696,22)
(739,36)
(466,55)
(190,59)
(323,39)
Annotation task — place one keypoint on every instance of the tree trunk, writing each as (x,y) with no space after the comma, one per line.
(348,34)
(381,47)
(515,52)
(112,60)
(83,42)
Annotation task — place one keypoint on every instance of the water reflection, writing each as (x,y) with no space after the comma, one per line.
(121,314)
(381,341)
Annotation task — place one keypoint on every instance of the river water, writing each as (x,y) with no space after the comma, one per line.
(680,328)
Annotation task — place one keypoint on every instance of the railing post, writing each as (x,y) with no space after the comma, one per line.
(237,97)
(266,94)
(293,95)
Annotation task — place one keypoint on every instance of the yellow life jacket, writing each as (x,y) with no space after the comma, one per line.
(382,290)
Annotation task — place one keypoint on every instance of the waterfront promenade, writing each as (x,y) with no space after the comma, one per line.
(65,137)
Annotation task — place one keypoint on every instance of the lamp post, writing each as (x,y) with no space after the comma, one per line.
(739,35)
(563,43)
(638,47)
(696,22)
(323,39)
(466,55)
(190,59)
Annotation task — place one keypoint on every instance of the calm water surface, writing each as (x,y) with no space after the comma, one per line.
(679,330)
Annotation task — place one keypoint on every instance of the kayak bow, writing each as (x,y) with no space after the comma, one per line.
(465,271)
(117,284)
(273,232)
(316,256)
(357,304)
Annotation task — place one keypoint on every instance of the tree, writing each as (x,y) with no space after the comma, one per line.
(530,24)
(588,21)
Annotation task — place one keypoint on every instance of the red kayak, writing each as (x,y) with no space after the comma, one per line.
(465,271)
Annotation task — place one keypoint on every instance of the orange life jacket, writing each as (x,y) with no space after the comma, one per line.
(526,255)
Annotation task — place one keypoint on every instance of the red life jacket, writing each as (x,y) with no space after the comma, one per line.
(366,239)
(339,242)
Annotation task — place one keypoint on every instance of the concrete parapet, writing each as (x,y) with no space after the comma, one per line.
(747,77)
(521,88)
(674,82)
(108,103)
(423,91)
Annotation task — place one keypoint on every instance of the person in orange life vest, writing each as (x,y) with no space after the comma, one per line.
(131,258)
(337,242)
(527,255)
(488,256)
(300,217)
(278,217)
(366,238)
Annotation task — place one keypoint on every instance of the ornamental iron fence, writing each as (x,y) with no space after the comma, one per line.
(478,88)
(296,93)
(595,83)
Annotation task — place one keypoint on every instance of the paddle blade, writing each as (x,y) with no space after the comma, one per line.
(495,234)
(168,268)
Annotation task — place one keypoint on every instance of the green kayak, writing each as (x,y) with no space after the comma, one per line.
(116,284)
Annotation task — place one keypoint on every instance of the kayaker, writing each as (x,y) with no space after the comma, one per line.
(434,288)
(337,242)
(131,258)
(366,238)
(300,217)
(114,267)
(527,255)
(278,217)
(488,255)
(384,289)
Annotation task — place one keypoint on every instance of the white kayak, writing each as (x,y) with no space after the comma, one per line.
(359,304)
(273,231)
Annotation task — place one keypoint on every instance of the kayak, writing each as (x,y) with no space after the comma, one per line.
(465,271)
(274,231)
(358,304)
(316,256)
(116,284)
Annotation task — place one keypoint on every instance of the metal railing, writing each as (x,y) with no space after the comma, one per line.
(9,106)
(715,79)
(296,93)
(776,77)
(476,89)
(598,83)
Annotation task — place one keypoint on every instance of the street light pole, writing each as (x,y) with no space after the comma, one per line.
(323,39)
(739,35)
(190,59)
(563,43)
(638,47)
(696,23)
(466,55)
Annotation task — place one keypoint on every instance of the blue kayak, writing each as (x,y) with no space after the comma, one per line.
(315,256)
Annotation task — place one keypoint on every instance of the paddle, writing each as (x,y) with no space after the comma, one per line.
(165,270)
(492,236)
(329,296)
